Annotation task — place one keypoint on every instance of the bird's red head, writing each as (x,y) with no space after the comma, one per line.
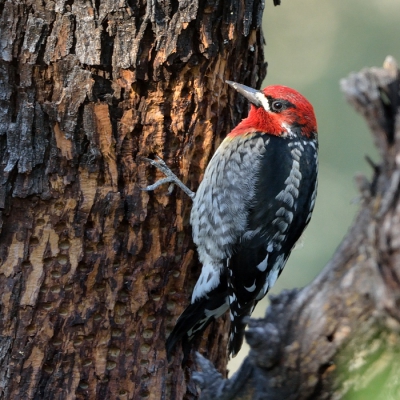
(276,110)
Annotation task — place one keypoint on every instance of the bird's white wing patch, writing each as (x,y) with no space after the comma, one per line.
(251,288)
(209,279)
(263,264)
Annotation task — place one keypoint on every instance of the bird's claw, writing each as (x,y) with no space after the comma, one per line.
(170,177)
(159,183)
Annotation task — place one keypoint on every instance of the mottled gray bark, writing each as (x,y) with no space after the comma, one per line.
(338,338)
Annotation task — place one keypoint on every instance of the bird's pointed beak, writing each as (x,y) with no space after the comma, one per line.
(253,95)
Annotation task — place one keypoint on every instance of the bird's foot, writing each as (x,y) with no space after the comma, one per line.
(170,177)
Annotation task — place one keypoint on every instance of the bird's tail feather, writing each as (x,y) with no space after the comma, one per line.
(194,320)
(238,326)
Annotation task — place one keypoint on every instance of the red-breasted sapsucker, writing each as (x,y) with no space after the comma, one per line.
(256,198)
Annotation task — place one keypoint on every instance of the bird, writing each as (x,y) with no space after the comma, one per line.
(253,204)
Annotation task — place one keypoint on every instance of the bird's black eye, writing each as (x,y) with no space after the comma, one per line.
(277,106)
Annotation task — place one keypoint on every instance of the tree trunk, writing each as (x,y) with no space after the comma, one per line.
(339,338)
(94,272)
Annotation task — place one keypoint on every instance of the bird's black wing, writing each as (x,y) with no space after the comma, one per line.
(281,209)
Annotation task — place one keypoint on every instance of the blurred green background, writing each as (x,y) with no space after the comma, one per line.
(311,45)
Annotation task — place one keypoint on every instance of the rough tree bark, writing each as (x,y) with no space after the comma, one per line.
(94,271)
(339,338)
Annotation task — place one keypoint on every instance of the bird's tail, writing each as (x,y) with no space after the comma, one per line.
(195,319)
(238,326)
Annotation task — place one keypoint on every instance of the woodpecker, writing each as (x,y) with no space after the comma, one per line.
(253,204)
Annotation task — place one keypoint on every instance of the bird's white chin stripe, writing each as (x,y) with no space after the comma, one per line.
(263,101)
